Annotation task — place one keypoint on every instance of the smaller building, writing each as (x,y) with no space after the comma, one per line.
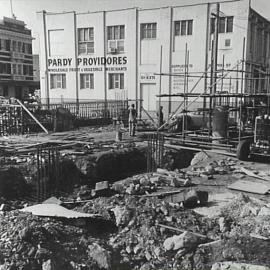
(16,59)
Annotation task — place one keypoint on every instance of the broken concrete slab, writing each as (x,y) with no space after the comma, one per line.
(237,266)
(252,187)
(54,210)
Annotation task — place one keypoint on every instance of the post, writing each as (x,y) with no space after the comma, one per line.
(216,50)
(160,74)
(46,61)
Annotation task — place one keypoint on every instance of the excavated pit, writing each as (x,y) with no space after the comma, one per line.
(111,166)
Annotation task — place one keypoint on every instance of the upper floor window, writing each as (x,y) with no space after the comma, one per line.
(183,28)
(225,25)
(5,68)
(5,44)
(58,81)
(149,30)
(116,81)
(116,36)
(87,81)
(86,40)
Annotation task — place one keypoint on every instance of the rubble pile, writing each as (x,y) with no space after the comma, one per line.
(150,182)
(141,240)
(219,167)
(247,216)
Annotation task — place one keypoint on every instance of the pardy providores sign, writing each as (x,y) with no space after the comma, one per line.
(87,64)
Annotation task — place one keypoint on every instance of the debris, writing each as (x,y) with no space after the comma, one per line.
(184,240)
(248,186)
(54,210)
(252,174)
(101,256)
(237,266)
(182,231)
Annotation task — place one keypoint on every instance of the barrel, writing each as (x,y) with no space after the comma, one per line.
(220,122)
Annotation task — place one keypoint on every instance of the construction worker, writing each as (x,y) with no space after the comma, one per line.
(132,119)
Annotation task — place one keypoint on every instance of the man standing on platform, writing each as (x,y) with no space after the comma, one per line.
(132,119)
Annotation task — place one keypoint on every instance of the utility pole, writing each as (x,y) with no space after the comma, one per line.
(11,10)
(216,51)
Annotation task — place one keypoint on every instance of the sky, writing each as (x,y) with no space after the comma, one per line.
(25,10)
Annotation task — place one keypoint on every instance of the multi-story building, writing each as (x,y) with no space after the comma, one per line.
(120,53)
(16,61)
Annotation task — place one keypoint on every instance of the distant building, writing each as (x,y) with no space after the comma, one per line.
(36,67)
(16,60)
(117,53)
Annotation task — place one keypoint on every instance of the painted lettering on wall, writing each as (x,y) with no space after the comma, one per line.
(87,61)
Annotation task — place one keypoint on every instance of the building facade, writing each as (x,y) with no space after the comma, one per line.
(120,54)
(16,62)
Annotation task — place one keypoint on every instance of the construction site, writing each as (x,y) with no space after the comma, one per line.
(113,184)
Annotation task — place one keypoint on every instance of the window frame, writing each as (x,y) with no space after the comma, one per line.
(116,35)
(149,31)
(183,28)
(86,78)
(116,81)
(60,81)
(85,40)
(227,26)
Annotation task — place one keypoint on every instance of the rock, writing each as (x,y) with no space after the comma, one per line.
(184,240)
(101,186)
(237,266)
(233,254)
(25,233)
(192,198)
(4,207)
(48,265)
(199,157)
(122,215)
(222,224)
(147,266)
(265,211)
(101,256)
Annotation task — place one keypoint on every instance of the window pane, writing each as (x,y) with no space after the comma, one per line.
(190,27)
(91,33)
(183,28)
(222,25)
(81,35)
(229,24)
(110,81)
(116,32)
(110,33)
(177,28)
(90,47)
(120,45)
(122,81)
(91,81)
(122,32)
(81,81)
(64,81)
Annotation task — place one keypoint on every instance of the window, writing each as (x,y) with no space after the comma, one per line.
(5,91)
(225,25)
(149,30)
(19,69)
(116,81)
(116,36)
(58,81)
(87,81)
(86,40)
(116,32)
(4,44)
(5,68)
(183,28)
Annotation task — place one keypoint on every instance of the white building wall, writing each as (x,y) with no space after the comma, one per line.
(143,55)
